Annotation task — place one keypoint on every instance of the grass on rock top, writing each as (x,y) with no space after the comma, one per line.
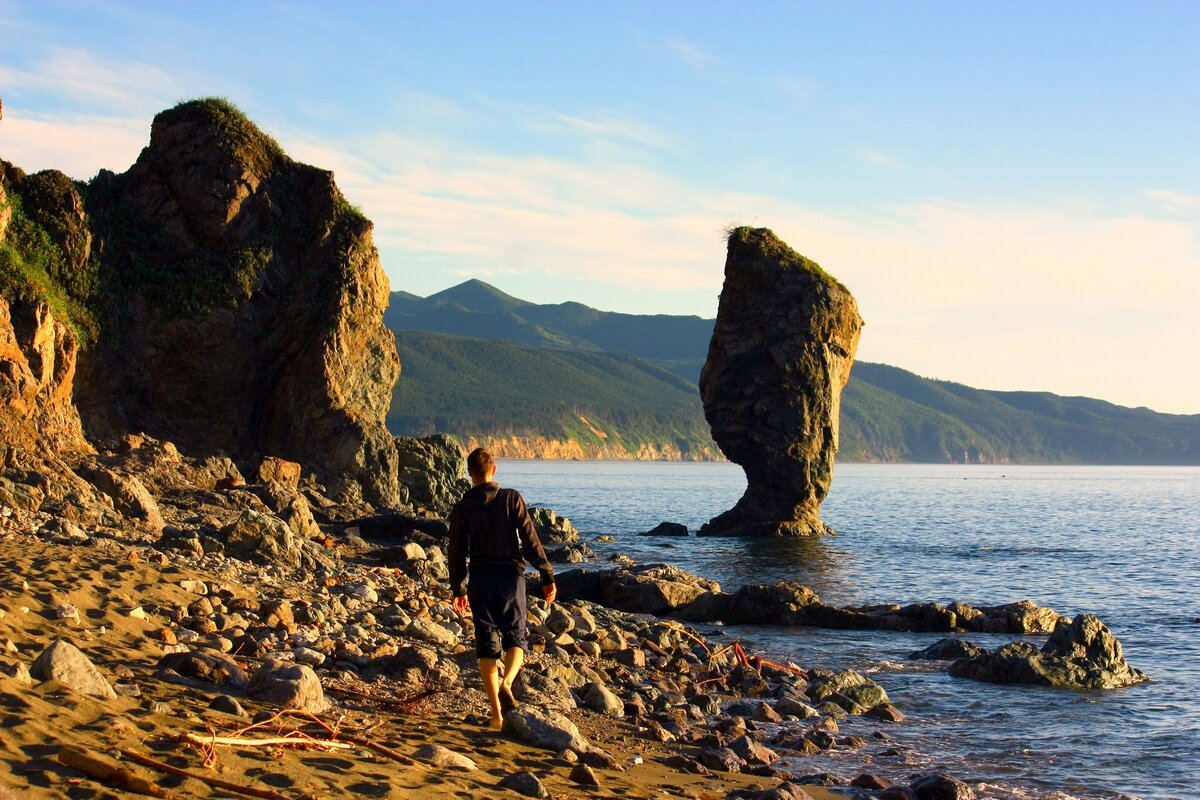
(241,138)
(771,246)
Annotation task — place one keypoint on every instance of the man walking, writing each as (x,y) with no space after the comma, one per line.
(491,528)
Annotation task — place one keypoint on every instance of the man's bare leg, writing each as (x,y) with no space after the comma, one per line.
(514,657)
(489,674)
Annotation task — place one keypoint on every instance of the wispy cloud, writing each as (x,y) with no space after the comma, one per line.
(798,88)
(93,83)
(690,53)
(78,144)
(882,159)
(1175,202)
(605,127)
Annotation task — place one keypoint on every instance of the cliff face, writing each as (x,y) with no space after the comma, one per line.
(780,354)
(544,447)
(37,373)
(227,298)
(37,347)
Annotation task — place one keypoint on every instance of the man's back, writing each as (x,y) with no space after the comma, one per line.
(491,526)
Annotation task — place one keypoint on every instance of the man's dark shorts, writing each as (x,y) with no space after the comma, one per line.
(498,608)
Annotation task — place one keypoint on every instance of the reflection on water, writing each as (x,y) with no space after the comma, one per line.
(1123,543)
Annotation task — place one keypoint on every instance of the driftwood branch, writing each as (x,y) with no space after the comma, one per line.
(109,773)
(216,783)
(302,740)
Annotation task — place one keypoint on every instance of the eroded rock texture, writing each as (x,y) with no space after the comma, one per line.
(38,347)
(242,307)
(781,352)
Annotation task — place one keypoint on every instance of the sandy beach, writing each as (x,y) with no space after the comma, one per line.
(106,581)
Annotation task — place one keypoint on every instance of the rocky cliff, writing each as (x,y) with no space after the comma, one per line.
(230,298)
(567,449)
(781,352)
(38,346)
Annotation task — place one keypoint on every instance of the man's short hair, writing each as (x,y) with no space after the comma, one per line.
(480,462)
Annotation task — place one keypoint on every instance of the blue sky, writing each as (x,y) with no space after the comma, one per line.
(1010,189)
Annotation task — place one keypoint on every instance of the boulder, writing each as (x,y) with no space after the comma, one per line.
(544,728)
(440,756)
(600,698)
(644,589)
(947,650)
(263,539)
(523,783)
(666,529)
(434,470)
(278,470)
(206,666)
(845,685)
(784,603)
(426,630)
(583,775)
(289,686)
(941,787)
(752,752)
(721,759)
(780,354)
(1080,654)
(1020,617)
(551,527)
(65,663)
(129,497)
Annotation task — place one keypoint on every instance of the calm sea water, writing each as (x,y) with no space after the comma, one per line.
(1120,542)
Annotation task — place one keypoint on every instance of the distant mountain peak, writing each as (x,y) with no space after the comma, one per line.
(475,295)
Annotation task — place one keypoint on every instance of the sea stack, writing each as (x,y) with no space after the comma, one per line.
(218,295)
(780,354)
(242,305)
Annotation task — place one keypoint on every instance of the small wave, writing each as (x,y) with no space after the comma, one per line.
(994,791)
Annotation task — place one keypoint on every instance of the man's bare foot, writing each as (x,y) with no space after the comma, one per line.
(507,701)
(496,724)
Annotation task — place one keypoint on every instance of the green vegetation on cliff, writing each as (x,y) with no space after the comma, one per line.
(888,414)
(34,267)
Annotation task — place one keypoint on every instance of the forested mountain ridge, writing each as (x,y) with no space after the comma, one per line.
(566,380)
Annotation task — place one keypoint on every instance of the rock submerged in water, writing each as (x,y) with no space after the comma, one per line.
(664,589)
(780,354)
(1080,654)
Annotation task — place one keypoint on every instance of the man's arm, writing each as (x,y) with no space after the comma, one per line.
(456,554)
(532,546)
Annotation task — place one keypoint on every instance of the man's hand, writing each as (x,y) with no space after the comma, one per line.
(460,604)
(549,591)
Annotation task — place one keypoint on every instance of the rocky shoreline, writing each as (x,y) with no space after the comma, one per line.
(267,597)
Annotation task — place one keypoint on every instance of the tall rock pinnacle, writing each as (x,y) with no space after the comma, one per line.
(780,354)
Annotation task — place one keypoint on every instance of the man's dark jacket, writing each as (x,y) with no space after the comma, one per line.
(492,526)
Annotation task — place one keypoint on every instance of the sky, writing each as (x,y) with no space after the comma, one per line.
(1011,190)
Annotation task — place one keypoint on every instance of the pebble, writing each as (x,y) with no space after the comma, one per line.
(584,776)
(195,587)
(228,705)
(524,783)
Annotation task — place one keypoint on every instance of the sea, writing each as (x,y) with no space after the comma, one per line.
(1122,543)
